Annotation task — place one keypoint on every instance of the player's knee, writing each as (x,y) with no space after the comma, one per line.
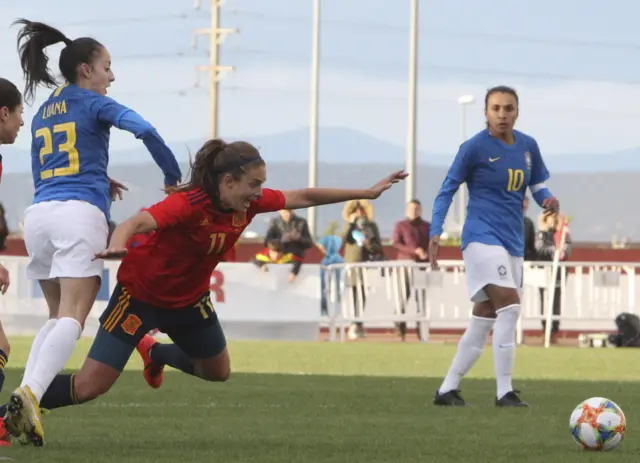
(78,296)
(4,342)
(213,370)
(484,310)
(5,346)
(217,375)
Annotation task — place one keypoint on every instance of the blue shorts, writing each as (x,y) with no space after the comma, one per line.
(195,329)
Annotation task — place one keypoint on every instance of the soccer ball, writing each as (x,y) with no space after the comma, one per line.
(598,424)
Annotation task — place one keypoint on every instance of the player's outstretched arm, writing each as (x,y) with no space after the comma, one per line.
(142,222)
(309,197)
(109,111)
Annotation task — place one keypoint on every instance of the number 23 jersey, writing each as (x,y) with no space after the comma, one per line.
(70,146)
(172,268)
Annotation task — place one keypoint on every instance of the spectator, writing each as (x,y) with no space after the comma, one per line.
(274,253)
(329,246)
(292,231)
(529,234)
(362,243)
(547,241)
(411,240)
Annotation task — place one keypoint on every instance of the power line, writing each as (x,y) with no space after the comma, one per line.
(446,68)
(303,21)
(375,63)
(131,19)
(198,54)
(348,96)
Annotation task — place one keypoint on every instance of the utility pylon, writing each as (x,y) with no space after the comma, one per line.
(216,71)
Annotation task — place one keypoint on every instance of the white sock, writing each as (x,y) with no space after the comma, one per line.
(469,350)
(35,349)
(54,353)
(504,347)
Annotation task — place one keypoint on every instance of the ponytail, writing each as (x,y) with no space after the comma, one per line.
(33,38)
(217,158)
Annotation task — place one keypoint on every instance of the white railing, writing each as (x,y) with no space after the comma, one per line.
(375,294)
(257,305)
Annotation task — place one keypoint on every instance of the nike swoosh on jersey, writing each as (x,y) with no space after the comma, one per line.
(494,159)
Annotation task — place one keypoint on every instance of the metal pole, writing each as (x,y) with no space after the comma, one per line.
(313,120)
(213,76)
(413,94)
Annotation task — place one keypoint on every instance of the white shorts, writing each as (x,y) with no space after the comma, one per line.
(62,237)
(491,265)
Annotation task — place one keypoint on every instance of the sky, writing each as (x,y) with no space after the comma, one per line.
(577,69)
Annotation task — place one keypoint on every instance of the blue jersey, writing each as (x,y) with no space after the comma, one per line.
(70,146)
(497,176)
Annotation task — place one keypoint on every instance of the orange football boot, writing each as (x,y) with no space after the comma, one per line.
(153,373)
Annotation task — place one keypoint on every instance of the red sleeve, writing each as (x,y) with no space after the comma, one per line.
(173,210)
(271,201)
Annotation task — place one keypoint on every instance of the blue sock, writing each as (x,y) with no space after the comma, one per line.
(172,355)
(61,393)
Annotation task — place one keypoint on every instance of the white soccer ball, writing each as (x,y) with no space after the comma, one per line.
(598,424)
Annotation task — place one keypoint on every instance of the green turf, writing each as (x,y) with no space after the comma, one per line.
(357,402)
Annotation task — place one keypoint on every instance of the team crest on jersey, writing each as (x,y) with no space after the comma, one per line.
(239,219)
(131,324)
(527,159)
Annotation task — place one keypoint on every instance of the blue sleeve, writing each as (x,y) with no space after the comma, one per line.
(442,204)
(462,165)
(539,175)
(111,112)
(539,172)
(458,173)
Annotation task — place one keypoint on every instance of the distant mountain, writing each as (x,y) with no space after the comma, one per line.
(347,146)
(603,208)
(597,191)
(338,145)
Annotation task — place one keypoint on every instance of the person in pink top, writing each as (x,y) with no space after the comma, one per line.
(411,240)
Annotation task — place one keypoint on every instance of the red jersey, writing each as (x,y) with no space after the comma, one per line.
(172,268)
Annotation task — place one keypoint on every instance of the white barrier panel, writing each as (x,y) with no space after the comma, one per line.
(256,305)
(591,296)
(250,304)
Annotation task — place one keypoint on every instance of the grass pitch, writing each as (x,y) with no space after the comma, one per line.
(356,402)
